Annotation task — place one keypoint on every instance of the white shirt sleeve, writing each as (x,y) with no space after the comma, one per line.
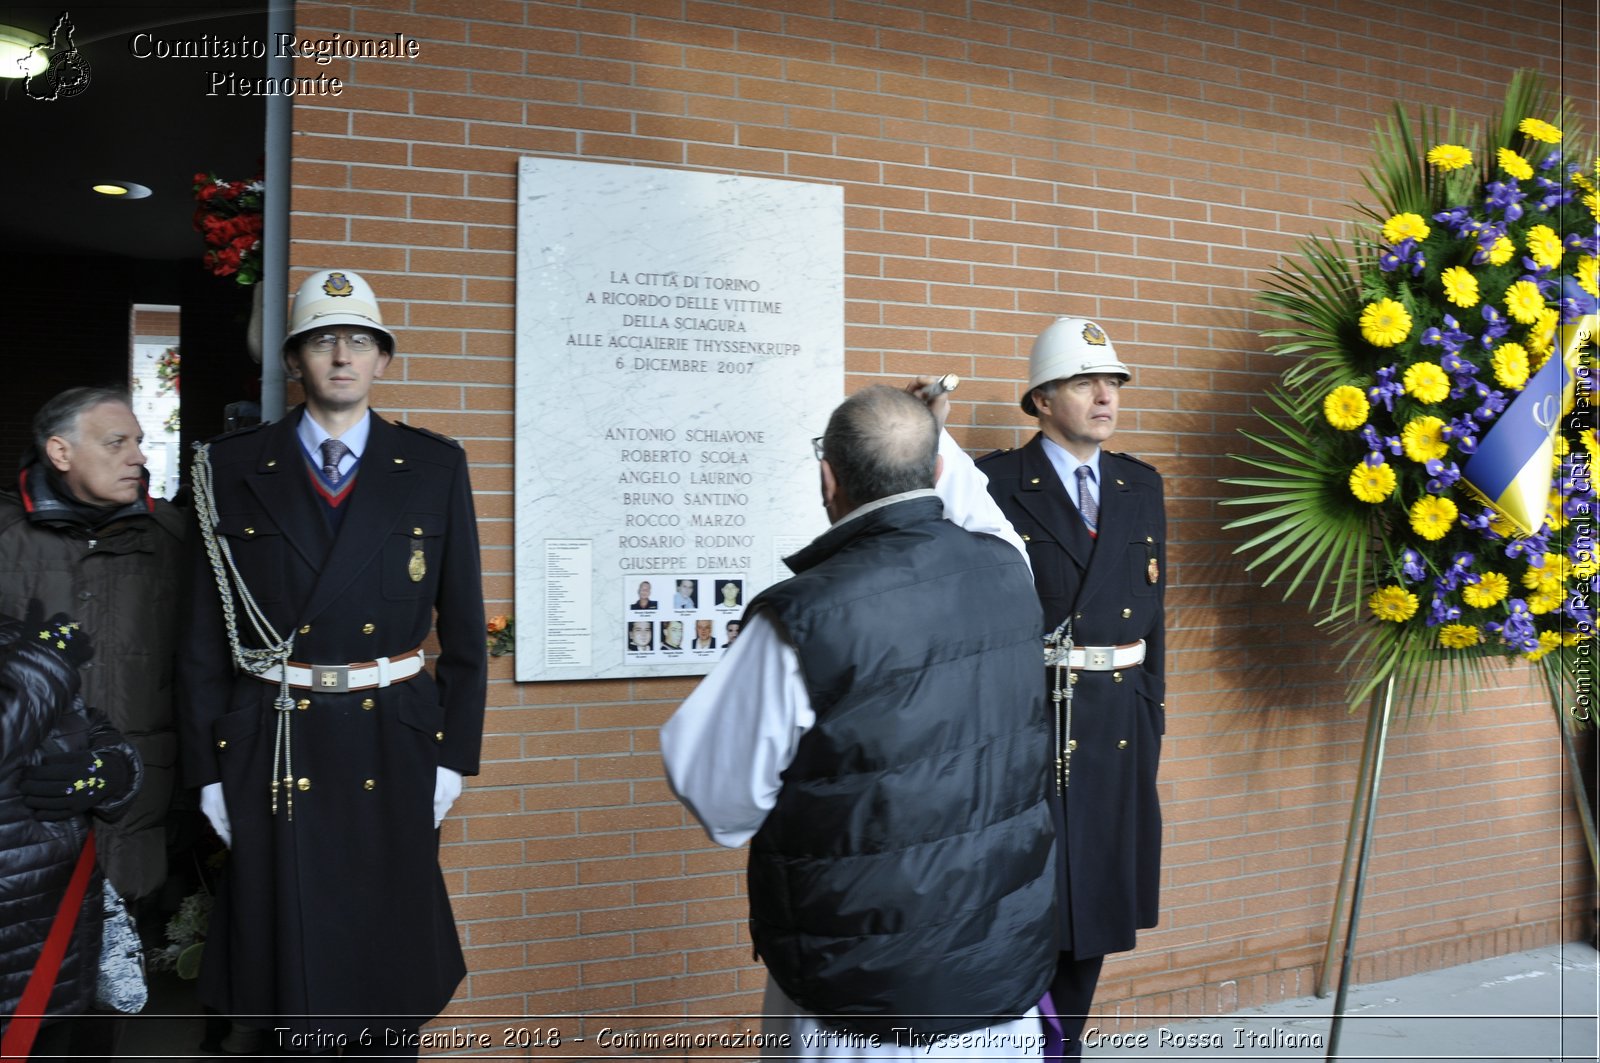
(727,746)
(965,492)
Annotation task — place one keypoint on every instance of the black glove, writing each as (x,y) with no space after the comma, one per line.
(70,783)
(61,633)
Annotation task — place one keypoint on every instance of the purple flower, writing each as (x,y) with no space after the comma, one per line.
(1552,160)
(1493,403)
(1440,613)
(1481,523)
(1463,432)
(1386,390)
(1444,474)
(1460,222)
(1577,608)
(1451,338)
(1377,444)
(1455,574)
(1497,325)
(1404,253)
(1506,198)
(1532,548)
(1411,565)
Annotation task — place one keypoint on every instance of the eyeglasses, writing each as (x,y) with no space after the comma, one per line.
(816,447)
(359,342)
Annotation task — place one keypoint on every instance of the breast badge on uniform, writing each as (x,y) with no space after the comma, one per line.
(1152,573)
(418,567)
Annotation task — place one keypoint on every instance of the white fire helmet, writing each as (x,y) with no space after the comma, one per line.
(1071,346)
(335,297)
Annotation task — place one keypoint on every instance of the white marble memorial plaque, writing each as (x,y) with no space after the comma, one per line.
(680,339)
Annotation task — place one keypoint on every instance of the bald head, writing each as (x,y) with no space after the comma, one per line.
(881,442)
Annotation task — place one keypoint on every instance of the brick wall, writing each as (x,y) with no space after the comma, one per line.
(1143,162)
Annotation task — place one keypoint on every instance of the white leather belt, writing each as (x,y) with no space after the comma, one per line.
(340,678)
(1105,658)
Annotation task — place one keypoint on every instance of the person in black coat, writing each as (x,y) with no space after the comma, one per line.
(60,764)
(345,535)
(1095,525)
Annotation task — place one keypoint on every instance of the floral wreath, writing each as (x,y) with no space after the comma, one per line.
(1431,452)
(228,215)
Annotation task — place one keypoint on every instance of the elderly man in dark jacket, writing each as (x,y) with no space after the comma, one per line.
(59,763)
(80,533)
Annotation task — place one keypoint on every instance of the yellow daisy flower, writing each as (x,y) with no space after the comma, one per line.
(1548,640)
(1510,365)
(1460,286)
(1592,201)
(1542,336)
(1515,164)
(1543,602)
(1543,132)
(1459,636)
(1432,516)
(1372,483)
(1405,227)
(1544,246)
(1449,157)
(1547,577)
(1589,275)
(1385,322)
(1502,250)
(1426,382)
(1491,589)
(1393,603)
(1346,407)
(1423,439)
(1523,302)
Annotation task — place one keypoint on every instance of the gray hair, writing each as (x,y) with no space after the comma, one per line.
(881,442)
(59,416)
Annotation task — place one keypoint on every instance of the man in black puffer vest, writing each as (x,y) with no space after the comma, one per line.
(879,730)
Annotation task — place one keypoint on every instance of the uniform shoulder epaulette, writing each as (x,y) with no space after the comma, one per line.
(1137,461)
(993,454)
(237,433)
(430,433)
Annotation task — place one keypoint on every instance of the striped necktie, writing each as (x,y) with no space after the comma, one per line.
(1086,503)
(333,450)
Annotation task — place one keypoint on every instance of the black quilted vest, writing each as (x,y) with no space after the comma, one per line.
(907,869)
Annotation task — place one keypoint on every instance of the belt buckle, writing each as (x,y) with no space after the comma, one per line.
(331,678)
(1099,659)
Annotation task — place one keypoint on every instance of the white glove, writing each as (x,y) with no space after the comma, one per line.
(446,788)
(216,810)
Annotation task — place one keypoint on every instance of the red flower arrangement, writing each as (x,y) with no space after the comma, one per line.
(228,216)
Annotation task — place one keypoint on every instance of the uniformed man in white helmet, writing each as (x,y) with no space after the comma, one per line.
(1095,525)
(328,748)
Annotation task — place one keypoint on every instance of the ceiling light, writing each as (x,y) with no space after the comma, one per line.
(18,45)
(122,190)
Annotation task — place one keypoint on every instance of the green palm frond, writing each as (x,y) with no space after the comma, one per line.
(1312,532)
(1320,298)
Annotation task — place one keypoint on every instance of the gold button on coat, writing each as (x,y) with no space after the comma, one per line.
(1126,613)
(438,736)
(305,629)
(369,784)
(1122,744)
(1116,677)
(222,743)
(303,704)
(367,703)
(367,629)
(303,784)
(1072,743)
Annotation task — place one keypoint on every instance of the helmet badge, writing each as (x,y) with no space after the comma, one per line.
(338,284)
(1092,334)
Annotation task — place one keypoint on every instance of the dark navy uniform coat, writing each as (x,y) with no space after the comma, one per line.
(1113,587)
(341,909)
